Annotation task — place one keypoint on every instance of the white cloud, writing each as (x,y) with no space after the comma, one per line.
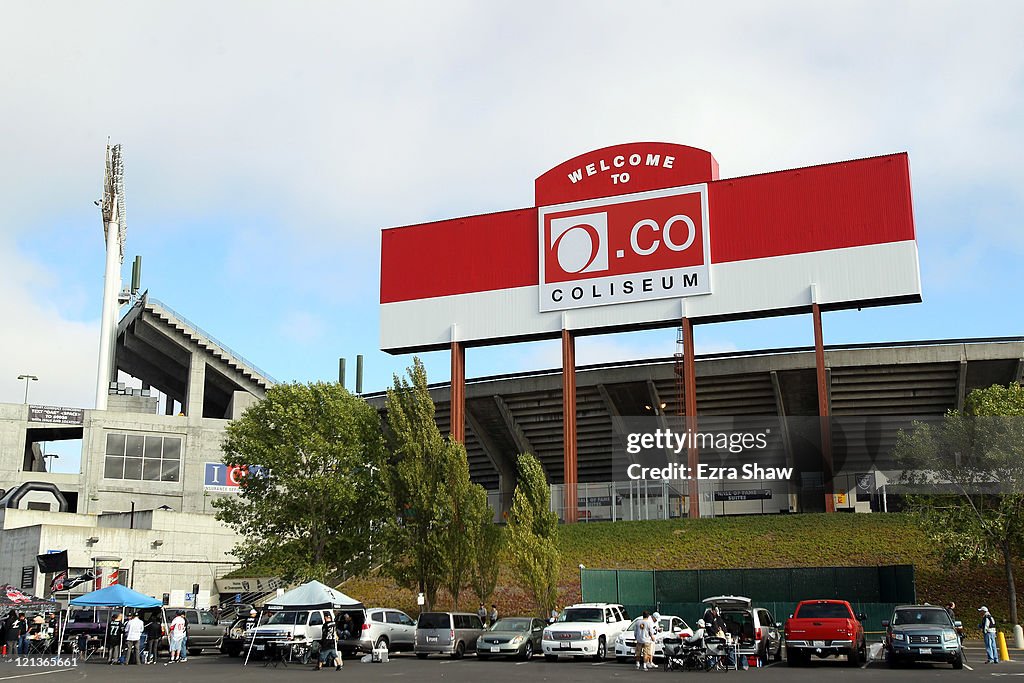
(37,340)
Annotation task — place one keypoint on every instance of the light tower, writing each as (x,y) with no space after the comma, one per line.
(115,229)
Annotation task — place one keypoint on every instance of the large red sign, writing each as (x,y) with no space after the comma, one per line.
(651,245)
(600,252)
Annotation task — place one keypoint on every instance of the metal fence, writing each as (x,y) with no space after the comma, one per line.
(871,590)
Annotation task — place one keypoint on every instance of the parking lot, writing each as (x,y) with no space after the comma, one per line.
(222,669)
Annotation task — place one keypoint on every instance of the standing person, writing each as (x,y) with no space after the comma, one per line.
(184,639)
(133,634)
(22,634)
(554,615)
(641,634)
(11,635)
(115,638)
(154,631)
(329,644)
(653,626)
(175,637)
(988,628)
(494,614)
(251,621)
(482,613)
(951,607)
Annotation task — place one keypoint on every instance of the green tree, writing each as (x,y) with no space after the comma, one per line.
(416,535)
(532,534)
(966,475)
(488,542)
(458,539)
(315,510)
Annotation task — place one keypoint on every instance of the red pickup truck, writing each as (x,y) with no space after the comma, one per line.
(825,628)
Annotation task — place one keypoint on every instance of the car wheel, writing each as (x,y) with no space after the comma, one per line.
(460,649)
(527,653)
(777,657)
(382,642)
(853,657)
(602,650)
(794,658)
(958,663)
(421,655)
(550,658)
(891,660)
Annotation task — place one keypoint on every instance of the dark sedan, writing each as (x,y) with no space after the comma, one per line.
(511,637)
(922,633)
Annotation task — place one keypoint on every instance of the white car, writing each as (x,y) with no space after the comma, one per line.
(587,629)
(671,627)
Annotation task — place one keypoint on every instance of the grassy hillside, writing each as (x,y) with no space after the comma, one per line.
(804,540)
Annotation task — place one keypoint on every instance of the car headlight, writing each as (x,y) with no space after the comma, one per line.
(547,635)
(949,636)
(619,639)
(898,636)
(516,641)
(589,635)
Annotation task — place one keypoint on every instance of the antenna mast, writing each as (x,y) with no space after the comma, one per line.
(115,230)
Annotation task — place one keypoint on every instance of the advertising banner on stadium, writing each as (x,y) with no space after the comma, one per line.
(642,234)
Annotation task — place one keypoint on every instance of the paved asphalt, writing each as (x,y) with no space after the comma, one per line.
(213,668)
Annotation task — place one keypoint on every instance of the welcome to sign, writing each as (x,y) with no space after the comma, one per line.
(639,235)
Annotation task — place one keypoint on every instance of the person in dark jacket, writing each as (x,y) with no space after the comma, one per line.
(329,644)
(11,635)
(115,638)
(22,634)
(154,631)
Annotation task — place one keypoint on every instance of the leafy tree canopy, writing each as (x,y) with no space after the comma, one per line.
(314,511)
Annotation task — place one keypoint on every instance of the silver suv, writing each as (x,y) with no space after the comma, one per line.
(388,627)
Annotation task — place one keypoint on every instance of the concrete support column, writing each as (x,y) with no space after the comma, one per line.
(196,385)
(690,392)
(458,392)
(569,424)
(823,411)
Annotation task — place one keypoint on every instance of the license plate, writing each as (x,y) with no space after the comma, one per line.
(565,646)
(630,651)
(495,649)
(259,648)
(818,643)
(925,650)
(431,639)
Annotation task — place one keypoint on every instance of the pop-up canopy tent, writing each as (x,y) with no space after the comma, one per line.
(14,598)
(111,596)
(116,596)
(312,595)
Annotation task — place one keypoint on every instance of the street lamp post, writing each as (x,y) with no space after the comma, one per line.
(27,378)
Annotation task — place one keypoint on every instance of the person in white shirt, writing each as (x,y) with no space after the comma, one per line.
(133,632)
(176,637)
(653,627)
(642,634)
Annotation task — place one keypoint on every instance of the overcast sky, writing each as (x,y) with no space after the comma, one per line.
(267,143)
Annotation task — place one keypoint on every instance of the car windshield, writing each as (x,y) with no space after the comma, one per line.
(823,611)
(440,620)
(584,614)
(930,617)
(286,618)
(512,625)
(88,616)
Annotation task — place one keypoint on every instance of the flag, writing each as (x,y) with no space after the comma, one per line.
(58,582)
(51,563)
(81,578)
